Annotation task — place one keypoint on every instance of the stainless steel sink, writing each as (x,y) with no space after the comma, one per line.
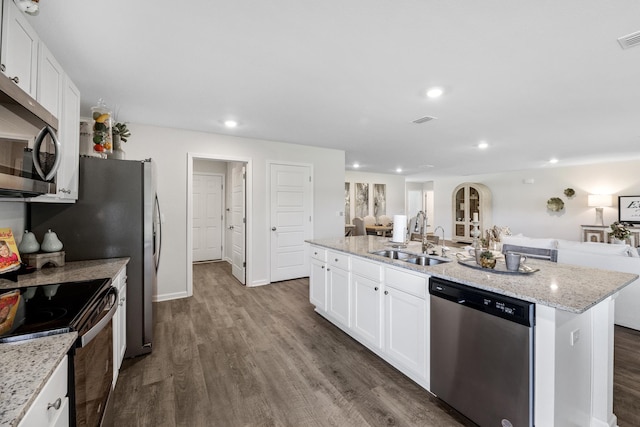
(393,254)
(426,260)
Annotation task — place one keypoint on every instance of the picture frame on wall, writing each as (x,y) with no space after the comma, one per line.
(629,209)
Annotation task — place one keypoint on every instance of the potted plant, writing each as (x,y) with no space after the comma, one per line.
(619,232)
(120,129)
(487,260)
(120,133)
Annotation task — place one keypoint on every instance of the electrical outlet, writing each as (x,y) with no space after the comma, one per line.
(575,336)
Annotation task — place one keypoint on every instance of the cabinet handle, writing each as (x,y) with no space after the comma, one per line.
(15,79)
(328,269)
(375,289)
(322,266)
(273,229)
(386,292)
(315,253)
(336,259)
(2,68)
(55,405)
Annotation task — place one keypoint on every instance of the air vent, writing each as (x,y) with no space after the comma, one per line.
(630,40)
(423,120)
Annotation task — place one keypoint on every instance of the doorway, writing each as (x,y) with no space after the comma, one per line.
(218,199)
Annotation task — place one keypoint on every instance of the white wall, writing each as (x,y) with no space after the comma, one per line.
(395,189)
(169,148)
(522,206)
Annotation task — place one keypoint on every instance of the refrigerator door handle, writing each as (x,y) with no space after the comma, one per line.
(157,235)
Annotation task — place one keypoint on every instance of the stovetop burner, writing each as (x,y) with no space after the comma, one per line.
(47,315)
(65,310)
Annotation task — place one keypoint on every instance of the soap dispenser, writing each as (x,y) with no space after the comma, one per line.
(50,242)
(29,244)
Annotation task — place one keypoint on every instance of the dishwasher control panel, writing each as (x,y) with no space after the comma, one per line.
(513,309)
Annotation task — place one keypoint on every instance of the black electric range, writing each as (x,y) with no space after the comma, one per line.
(58,308)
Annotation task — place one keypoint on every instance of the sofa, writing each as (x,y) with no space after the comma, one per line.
(604,256)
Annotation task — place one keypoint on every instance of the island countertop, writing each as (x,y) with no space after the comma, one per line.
(566,287)
(74,271)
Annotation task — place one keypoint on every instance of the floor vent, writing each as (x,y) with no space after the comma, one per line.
(423,119)
(630,40)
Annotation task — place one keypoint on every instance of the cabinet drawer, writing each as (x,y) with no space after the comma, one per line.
(411,283)
(318,253)
(338,259)
(42,412)
(364,268)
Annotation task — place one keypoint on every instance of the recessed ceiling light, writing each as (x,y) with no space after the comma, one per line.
(435,92)
(399,170)
(356,165)
(553,160)
(230,123)
(483,144)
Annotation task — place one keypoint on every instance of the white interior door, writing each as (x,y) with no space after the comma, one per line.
(291,196)
(208,193)
(238,222)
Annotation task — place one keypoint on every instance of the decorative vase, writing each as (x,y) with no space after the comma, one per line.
(118,152)
(617,241)
(102,128)
(50,242)
(29,244)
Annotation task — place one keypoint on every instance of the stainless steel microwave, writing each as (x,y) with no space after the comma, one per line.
(28,166)
(30,153)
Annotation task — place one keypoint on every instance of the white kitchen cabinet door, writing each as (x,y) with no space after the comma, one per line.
(50,81)
(51,406)
(338,295)
(406,321)
(120,324)
(19,49)
(367,310)
(69,135)
(318,284)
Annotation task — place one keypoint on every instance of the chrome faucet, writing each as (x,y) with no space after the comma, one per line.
(444,250)
(421,227)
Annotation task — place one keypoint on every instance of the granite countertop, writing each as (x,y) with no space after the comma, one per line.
(565,287)
(26,368)
(71,272)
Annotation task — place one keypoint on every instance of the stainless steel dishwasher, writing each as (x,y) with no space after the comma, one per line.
(482,353)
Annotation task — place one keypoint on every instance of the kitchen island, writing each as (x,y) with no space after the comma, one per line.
(574,306)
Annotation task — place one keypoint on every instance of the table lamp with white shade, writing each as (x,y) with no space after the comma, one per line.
(599,201)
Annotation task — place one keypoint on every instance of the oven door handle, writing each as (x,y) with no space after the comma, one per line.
(95,330)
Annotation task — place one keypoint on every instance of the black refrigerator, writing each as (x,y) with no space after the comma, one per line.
(116,215)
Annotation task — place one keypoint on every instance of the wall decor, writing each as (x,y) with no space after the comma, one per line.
(347,203)
(555,204)
(379,199)
(362,199)
(629,209)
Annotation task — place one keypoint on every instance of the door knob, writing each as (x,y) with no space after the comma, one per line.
(273,229)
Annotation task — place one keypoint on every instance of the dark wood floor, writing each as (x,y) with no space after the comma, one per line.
(237,356)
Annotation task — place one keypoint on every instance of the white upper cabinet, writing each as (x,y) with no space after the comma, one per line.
(38,73)
(19,49)
(50,82)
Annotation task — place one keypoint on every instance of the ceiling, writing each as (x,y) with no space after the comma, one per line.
(535,80)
